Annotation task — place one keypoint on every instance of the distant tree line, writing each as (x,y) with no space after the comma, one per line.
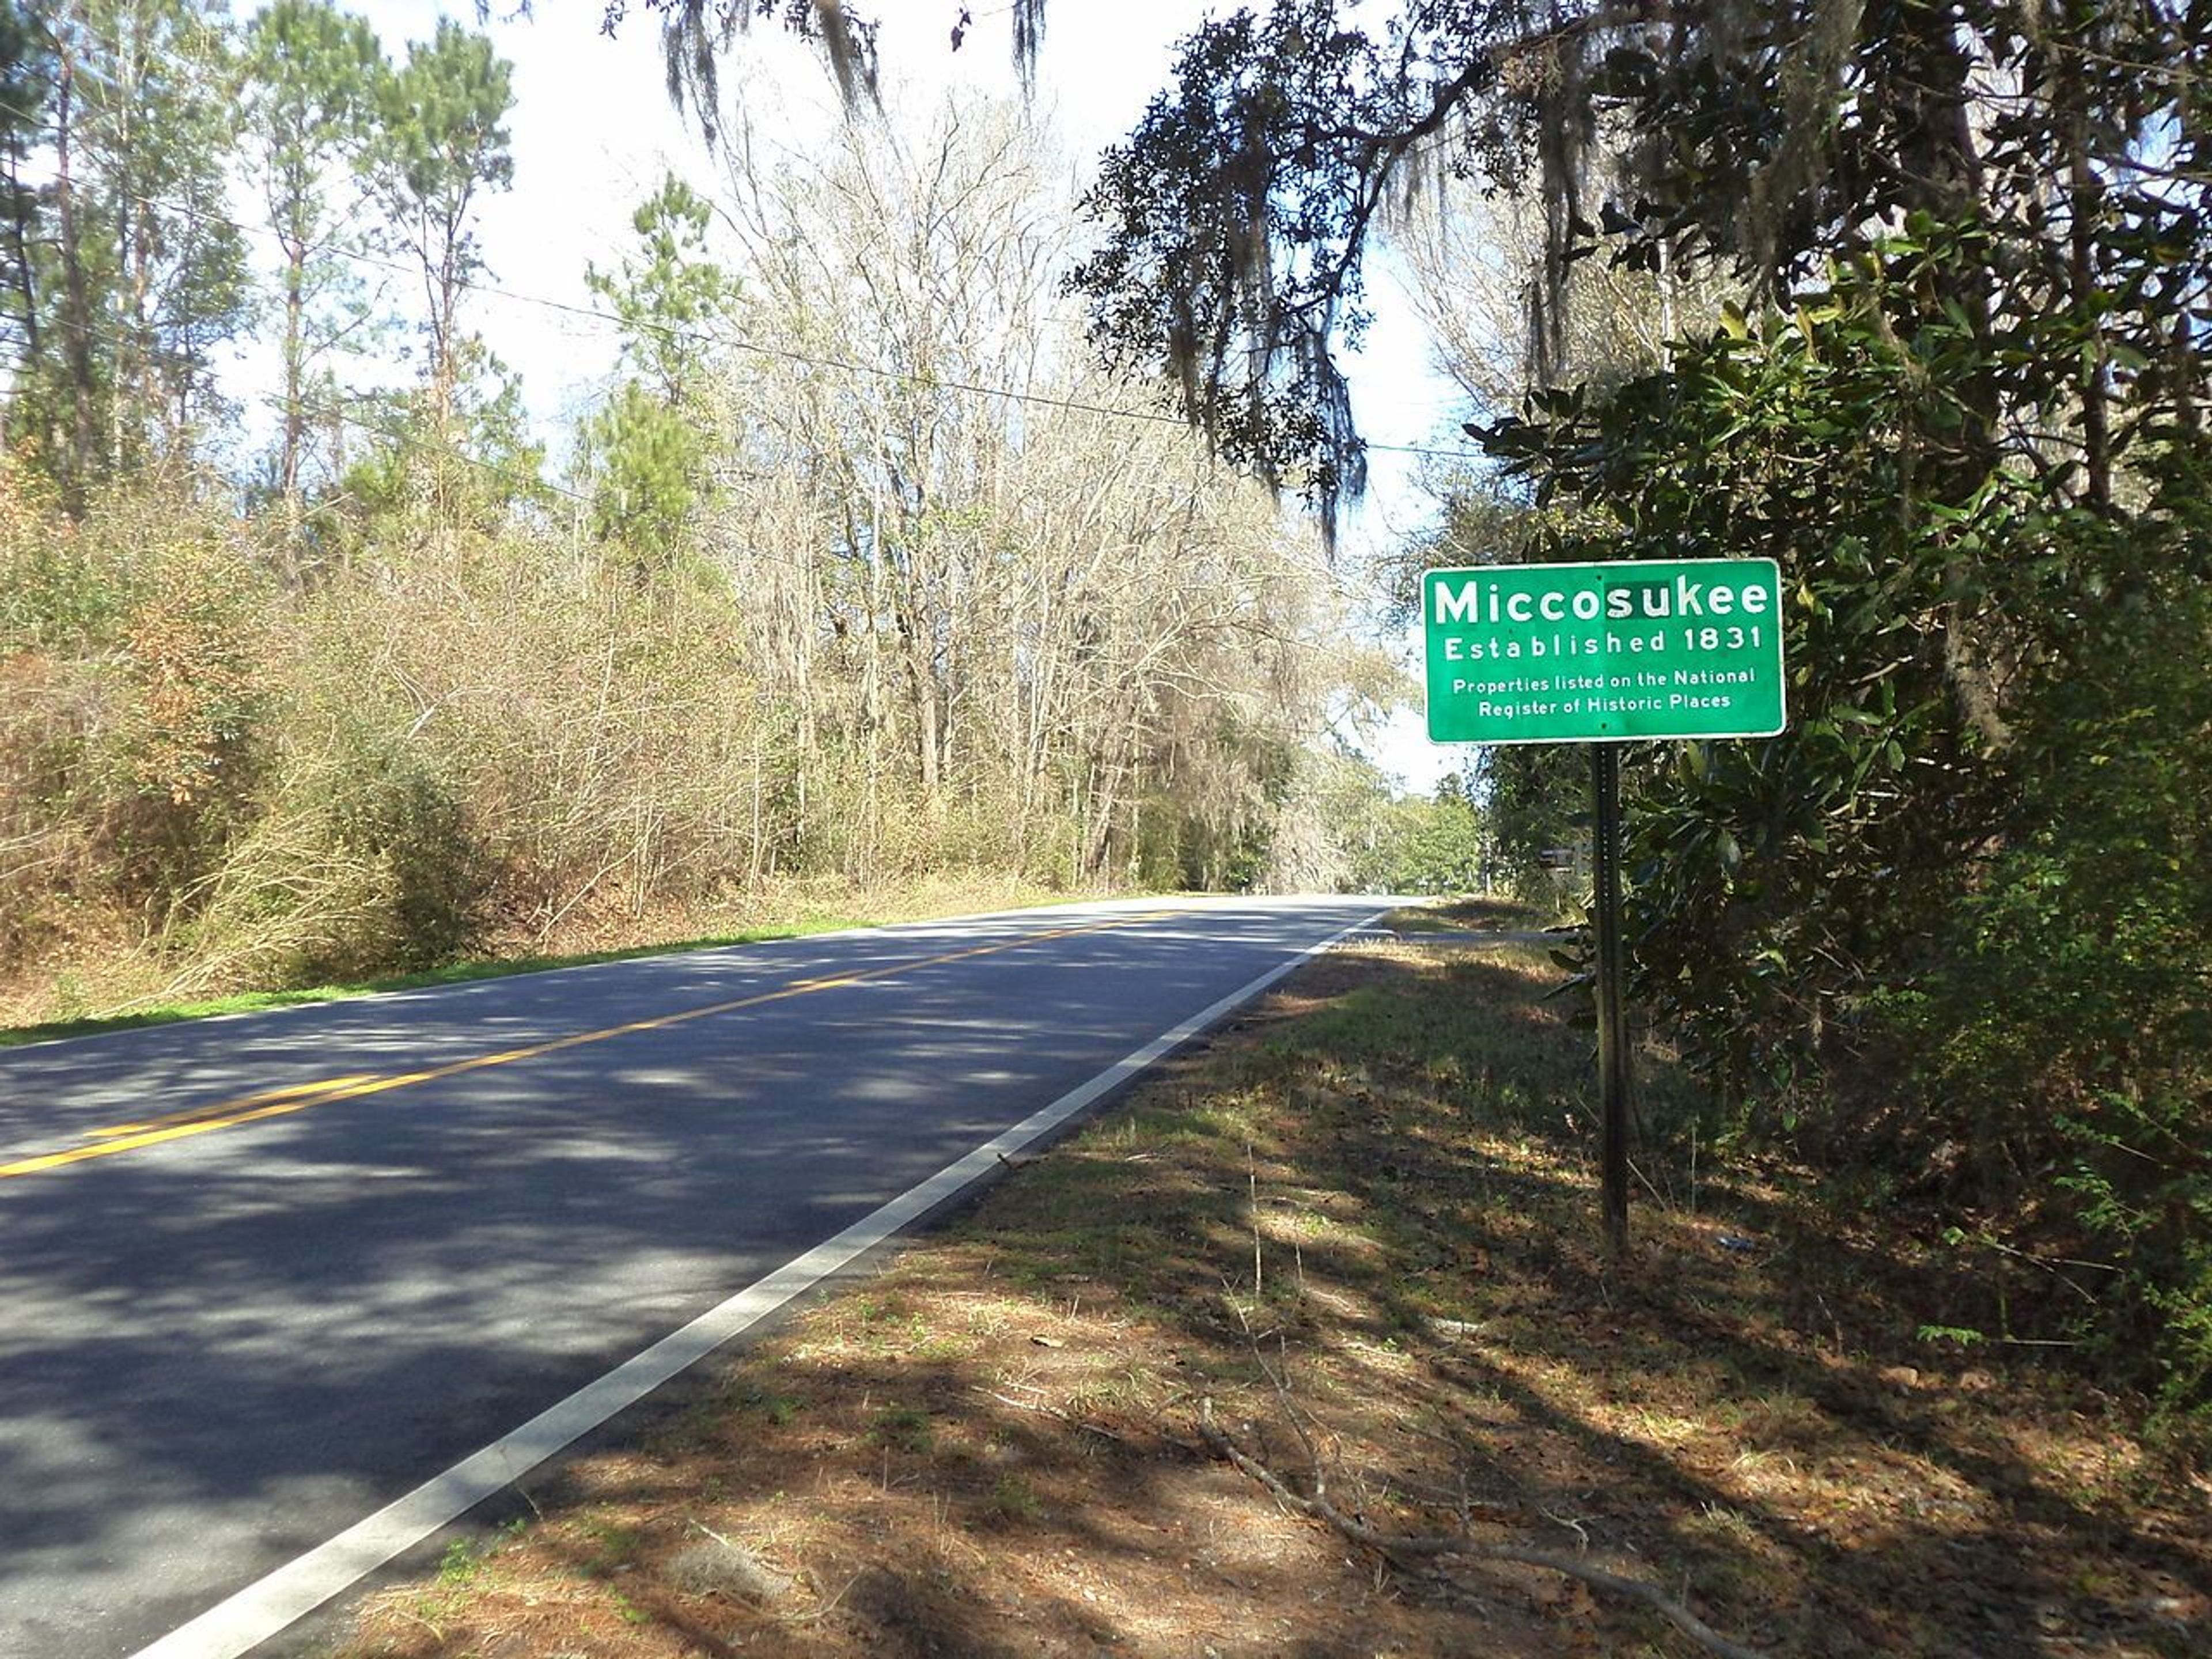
(860,572)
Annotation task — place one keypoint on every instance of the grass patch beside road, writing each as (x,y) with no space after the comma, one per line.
(456,973)
(1467,915)
(857,910)
(1361,1224)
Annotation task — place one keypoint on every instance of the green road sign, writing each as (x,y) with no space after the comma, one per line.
(1597,653)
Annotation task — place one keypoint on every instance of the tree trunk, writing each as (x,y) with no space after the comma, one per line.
(19,230)
(922,676)
(295,424)
(76,320)
(2084,203)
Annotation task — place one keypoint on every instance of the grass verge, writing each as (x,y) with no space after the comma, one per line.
(452,973)
(1360,1223)
(862,911)
(1467,915)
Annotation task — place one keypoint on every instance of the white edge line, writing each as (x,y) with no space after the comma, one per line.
(234,1626)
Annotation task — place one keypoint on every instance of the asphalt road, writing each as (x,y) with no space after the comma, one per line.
(262,1275)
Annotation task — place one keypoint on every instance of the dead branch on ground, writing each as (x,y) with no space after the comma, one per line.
(1402,1548)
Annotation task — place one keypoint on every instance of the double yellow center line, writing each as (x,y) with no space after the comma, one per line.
(297,1098)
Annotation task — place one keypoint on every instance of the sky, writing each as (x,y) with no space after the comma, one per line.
(593,133)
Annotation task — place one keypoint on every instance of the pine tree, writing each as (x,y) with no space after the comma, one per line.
(310,108)
(440,143)
(649,446)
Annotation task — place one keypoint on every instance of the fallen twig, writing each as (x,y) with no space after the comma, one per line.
(1068,1418)
(1428,1547)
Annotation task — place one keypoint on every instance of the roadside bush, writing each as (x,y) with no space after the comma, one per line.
(192,734)
(358,863)
(139,690)
(45,856)
(1944,937)
(573,746)
(2065,1029)
(63,589)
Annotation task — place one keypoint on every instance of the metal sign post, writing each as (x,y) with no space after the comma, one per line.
(1612,1029)
(1601,654)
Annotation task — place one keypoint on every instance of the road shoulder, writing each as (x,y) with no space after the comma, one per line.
(1358,1224)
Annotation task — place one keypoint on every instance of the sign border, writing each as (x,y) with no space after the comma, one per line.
(1422,624)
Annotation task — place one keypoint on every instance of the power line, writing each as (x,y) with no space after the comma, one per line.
(1073,406)
(323,409)
(525,482)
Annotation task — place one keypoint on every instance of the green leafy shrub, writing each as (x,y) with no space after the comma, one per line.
(139,689)
(2064,1028)
(1946,937)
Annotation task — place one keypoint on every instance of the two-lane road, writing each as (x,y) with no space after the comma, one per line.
(261,1277)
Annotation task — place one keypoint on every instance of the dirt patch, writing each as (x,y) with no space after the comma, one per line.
(1361,1224)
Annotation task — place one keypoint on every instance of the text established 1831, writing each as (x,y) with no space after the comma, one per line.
(1592,652)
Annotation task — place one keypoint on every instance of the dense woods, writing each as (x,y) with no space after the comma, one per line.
(892,548)
(1934,284)
(861,574)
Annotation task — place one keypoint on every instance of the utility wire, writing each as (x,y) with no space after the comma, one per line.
(525,482)
(736,343)
(520,481)
(323,410)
